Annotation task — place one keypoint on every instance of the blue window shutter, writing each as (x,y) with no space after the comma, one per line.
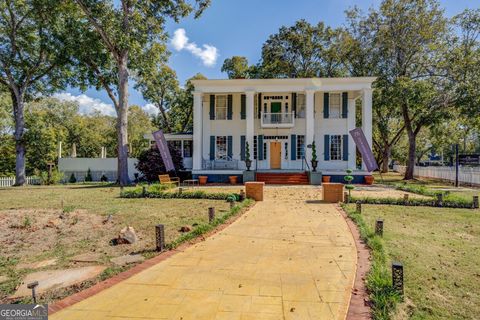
(294,104)
(229,107)
(243,107)
(212,147)
(326,105)
(259,111)
(344,104)
(260,147)
(345,147)
(293,147)
(242,148)
(212,107)
(230,147)
(326,147)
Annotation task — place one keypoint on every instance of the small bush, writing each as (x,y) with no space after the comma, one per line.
(88,177)
(72,178)
(158,191)
(104,178)
(55,177)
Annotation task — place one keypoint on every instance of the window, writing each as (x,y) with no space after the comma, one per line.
(300,147)
(301,105)
(187,148)
(336,147)
(221,107)
(175,144)
(221,148)
(255,147)
(286,107)
(264,150)
(286,150)
(335,102)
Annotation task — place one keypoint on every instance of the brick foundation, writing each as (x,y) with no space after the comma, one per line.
(254,190)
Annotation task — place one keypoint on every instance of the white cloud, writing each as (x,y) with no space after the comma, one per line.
(207,53)
(87,104)
(150,109)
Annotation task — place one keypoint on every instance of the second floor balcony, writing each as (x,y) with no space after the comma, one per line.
(278,119)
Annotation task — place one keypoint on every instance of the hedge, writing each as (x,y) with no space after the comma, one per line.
(446,203)
(159,192)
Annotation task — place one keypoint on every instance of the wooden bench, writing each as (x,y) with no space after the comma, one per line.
(166,179)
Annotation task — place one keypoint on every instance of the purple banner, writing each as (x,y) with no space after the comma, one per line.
(365,150)
(163,148)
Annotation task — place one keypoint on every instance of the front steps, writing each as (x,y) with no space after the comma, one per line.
(297,178)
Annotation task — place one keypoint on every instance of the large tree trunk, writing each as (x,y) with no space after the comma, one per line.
(18,110)
(412,146)
(122,122)
(387,150)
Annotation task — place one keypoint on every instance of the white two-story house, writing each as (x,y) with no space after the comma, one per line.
(279,119)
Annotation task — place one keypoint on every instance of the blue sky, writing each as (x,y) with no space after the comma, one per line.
(238,27)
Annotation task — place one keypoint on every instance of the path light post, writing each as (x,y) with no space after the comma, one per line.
(144,191)
(242,195)
(211,214)
(397,277)
(405,197)
(32,286)
(475,202)
(180,190)
(359,206)
(345,197)
(160,237)
(379,227)
(440,199)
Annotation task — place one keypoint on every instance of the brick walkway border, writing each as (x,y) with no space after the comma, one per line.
(96,288)
(359,308)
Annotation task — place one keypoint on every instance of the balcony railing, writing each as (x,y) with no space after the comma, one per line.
(278,120)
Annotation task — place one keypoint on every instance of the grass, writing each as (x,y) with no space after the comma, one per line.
(83,209)
(439,250)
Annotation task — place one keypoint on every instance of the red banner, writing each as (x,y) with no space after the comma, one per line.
(163,148)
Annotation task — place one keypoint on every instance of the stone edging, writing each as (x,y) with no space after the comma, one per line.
(105,284)
(359,308)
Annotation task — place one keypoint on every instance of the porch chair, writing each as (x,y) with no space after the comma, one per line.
(166,179)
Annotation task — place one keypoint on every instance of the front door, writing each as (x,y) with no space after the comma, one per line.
(275,112)
(275,155)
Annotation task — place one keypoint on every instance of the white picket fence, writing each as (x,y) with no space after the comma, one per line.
(467,175)
(10,181)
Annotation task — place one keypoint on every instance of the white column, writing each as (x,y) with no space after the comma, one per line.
(367,116)
(197,130)
(352,154)
(250,121)
(309,124)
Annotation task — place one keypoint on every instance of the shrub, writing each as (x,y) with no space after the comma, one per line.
(72,178)
(104,178)
(158,191)
(150,162)
(46,179)
(88,177)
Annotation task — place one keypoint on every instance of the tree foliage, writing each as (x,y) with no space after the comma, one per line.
(150,162)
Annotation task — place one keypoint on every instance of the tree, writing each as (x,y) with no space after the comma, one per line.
(150,162)
(302,51)
(138,125)
(128,37)
(33,59)
(236,67)
(7,143)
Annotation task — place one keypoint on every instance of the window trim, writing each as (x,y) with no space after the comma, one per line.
(340,147)
(226,106)
(298,147)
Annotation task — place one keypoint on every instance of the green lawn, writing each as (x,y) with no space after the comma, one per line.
(440,251)
(27,235)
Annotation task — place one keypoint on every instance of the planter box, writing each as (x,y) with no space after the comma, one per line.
(315,178)
(248,176)
(254,190)
(332,192)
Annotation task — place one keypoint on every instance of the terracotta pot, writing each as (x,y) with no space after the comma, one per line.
(369,179)
(233,179)
(325,178)
(202,180)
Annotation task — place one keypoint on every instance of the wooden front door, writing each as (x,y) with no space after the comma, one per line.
(275,155)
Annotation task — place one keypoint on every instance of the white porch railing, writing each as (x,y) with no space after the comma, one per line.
(278,119)
(220,164)
(10,181)
(469,175)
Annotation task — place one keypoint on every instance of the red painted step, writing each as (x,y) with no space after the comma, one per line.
(282,178)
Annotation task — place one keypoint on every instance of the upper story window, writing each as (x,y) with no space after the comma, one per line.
(300,147)
(221,107)
(187,148)
(335,105)
(336,147)
(301,105)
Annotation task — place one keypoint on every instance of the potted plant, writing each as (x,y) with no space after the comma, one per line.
(369,179)
(202,180)
(349,186)
(233,179)
(248,161)
(314,157)
(325,178)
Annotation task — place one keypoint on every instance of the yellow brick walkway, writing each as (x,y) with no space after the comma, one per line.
(285,259)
